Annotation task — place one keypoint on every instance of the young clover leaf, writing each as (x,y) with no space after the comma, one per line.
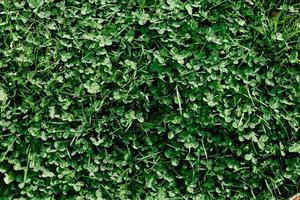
(65,56)
(8,178)
(131,64)
(92,88)
(143,18)
(3,95)
(189,9)
(104,41)
(35,3)
(248,156)
(295,148)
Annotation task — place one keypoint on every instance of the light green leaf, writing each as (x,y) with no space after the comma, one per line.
(131,64)
(93,88)
(190,189)
(132,114)
(241,22)
(8,178)
(171,135)
(248,156)
(104,41)
(35,3)
(278,37)
(295,148)
(263,138)
(66,56)
(143,19)
(48,174)
(3,95)
(189,9)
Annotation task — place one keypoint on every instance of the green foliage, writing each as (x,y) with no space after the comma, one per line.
(136,99)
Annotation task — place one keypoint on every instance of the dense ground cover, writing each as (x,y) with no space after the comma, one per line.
(149,99)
